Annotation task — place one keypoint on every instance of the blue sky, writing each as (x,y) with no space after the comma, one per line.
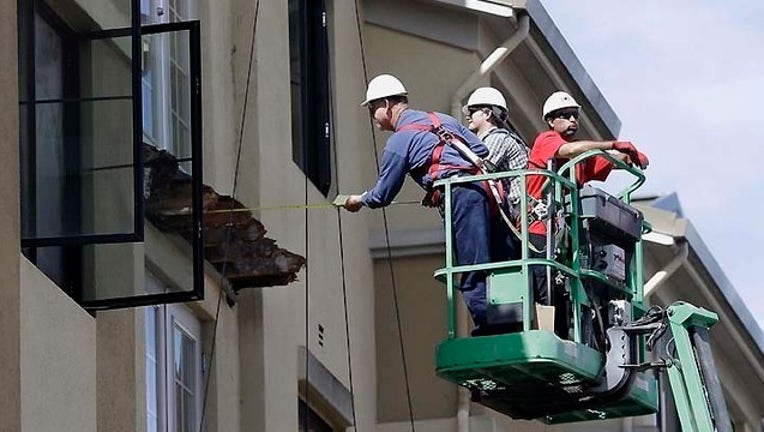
(686,78)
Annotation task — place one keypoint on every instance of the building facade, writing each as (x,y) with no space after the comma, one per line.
(153,148)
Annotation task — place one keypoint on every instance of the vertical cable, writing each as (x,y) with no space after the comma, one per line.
(229,225)
(342,256)
(387,233)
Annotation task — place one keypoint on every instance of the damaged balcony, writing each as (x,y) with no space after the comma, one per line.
(235,243)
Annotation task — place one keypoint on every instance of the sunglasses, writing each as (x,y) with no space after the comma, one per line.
(566,115)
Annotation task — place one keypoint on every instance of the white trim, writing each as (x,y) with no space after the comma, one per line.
(659,238)
(662,275)
(489,7)
(167,318)
(179,316)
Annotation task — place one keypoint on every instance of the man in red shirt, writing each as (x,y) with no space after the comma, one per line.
(558,144)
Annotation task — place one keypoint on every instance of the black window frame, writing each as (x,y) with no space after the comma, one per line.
(311,120)
(28,102)
(71,253)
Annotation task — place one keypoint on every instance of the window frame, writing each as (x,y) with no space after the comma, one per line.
(27,10)
(164,118)
(179,316)
(27,104)
(30,11)
(312,128)
(193,27)
(166,317)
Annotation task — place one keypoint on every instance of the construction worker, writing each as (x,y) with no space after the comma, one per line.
(558,144)
(486,114)
(416,148)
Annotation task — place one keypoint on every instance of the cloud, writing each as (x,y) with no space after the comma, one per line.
(686,77)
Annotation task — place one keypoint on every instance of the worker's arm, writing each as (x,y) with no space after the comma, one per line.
(572,149)
(391,177)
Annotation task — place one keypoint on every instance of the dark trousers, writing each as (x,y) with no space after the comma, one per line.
(539,272)
(559,298)
(478,238)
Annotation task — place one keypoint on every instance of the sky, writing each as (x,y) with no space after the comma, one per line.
(686,78)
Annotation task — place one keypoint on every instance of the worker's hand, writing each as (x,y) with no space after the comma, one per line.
(623,157)
(627,147)
(353,203)
(642,160)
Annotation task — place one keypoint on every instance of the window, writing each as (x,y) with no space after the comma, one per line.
(325,404)
(310,421)
(166,78)
(310,93)
(174,379)
(90,179)
(47,195)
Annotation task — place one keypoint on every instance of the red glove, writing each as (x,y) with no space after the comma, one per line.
(642,160)
(628,148)
(625,147)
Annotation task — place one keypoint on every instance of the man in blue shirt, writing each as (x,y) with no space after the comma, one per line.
(478,235)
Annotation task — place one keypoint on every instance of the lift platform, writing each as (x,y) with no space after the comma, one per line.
(537,375)
(586,369)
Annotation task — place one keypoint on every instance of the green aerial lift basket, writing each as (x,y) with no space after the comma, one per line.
(526,373)
(533,373)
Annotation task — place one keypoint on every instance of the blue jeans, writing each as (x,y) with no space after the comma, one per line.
(478,238)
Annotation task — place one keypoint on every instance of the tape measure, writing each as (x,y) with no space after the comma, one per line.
(314,206)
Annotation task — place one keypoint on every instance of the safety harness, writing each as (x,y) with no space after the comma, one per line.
(477,166)
(436,169)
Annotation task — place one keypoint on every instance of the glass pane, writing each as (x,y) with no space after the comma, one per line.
(106,68)
(49,58)
(149,12)
(114,271)
(185,379)
(188,412)
(78,178)
(167,93)
(152,377)
(26,155)
(52,261)
(296,28)
(179,408)
(107,14)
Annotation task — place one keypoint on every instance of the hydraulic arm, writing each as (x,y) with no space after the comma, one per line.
(680,341)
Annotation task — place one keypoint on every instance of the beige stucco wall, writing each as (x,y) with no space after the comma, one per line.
(121,377)
(58,358)
(10,317)
(275,317)
(422,308)
(431,72)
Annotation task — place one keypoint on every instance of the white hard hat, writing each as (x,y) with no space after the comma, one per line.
(558,100)
(382,86)
(485,96)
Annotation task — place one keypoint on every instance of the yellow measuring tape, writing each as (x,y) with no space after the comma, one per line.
(315,206)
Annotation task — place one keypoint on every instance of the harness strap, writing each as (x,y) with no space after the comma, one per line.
(445,138)
(494,189)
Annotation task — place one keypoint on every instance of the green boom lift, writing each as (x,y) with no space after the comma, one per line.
(594,363)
